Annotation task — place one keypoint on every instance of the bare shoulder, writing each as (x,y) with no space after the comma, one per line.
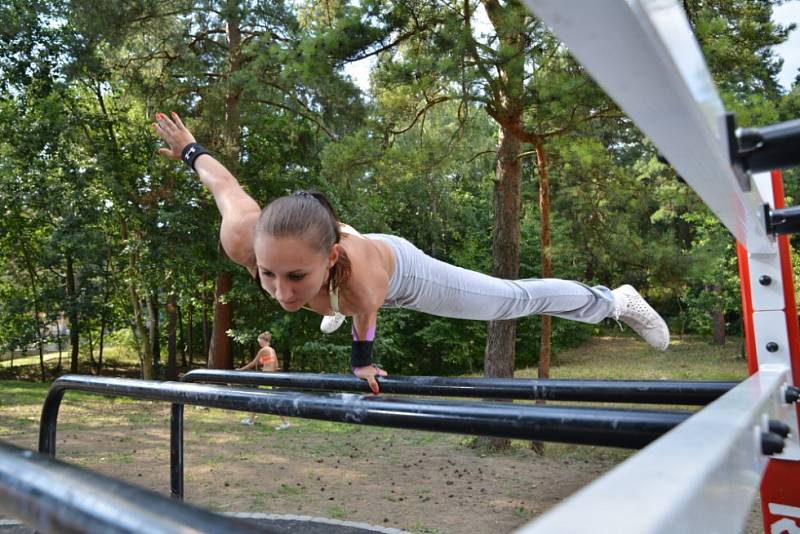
(368,283)
(236,236)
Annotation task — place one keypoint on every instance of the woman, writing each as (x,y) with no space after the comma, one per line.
(304,257)
(268,360)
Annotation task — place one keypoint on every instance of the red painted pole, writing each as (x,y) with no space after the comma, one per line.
(780,487)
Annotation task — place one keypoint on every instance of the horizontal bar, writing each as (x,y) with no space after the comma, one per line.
(52,496)
(701,477)
(630,391)
(591,426)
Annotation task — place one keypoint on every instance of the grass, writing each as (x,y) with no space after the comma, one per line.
(117,355)
(688,358)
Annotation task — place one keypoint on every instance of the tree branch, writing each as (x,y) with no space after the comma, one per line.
(420,113)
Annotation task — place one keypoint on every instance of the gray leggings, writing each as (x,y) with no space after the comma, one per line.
(428,285)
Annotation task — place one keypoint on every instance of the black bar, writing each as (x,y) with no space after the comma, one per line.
(591,426)
(629,391)
(770,147)
(176,451)
(588,426)
(782,221)
(52,496)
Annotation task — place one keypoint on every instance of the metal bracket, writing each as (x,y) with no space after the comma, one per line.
(764,148)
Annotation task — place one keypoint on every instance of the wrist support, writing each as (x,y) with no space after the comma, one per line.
(361,350)
(191,152)
(360,353)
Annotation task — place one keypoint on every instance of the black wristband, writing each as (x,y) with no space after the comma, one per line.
(191,152)
(361,353)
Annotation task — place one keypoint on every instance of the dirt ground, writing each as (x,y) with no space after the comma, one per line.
(417,481)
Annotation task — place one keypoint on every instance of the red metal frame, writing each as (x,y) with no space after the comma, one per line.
(781,483)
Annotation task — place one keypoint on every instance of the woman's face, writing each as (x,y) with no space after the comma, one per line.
(291,270)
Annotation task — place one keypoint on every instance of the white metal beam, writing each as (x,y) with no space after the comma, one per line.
(700,477)
(644,55)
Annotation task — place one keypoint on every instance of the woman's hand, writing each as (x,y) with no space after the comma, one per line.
(174,133)
(368,373)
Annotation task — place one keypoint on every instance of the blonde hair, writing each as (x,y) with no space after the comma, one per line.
(265,336)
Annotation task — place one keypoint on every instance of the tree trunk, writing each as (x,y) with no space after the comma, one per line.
(154,336)
(38,316)
(287,360)
(545,340)
(181,338)
(501,335)
(93,364)
(546,259)
(506,108)
(100,345)
(73,316)
(717,316)
(206,333)
(219,353)
(60,347)
(145,353)
(106,296)
(190,334)
(172,353)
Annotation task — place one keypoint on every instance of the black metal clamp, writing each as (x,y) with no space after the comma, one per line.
(766,148)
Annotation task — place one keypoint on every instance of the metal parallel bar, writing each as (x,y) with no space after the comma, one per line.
(614,428)
(660,392)
(54,497)
(701,477)
(629,391)
(589,426)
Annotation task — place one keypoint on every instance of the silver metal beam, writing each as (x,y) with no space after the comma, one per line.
(700,477)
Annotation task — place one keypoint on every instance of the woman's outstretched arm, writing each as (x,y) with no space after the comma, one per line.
(239,211)
(250,365)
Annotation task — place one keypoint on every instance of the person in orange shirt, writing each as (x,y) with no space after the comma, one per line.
(268,360)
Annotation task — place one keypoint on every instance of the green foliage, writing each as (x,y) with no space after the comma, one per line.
(414,156)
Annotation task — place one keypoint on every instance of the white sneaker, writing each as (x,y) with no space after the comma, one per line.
(331,323)
(247,421)
(634,311)
(282,426)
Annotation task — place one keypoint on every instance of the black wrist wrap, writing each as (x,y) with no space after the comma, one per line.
(361,353)
(191,152)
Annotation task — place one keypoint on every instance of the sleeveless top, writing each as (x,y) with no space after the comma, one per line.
(265,357)
(334,294)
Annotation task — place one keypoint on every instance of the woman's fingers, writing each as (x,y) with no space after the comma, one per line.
(369,373)
(178,120)
(166,123)
(373,384)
